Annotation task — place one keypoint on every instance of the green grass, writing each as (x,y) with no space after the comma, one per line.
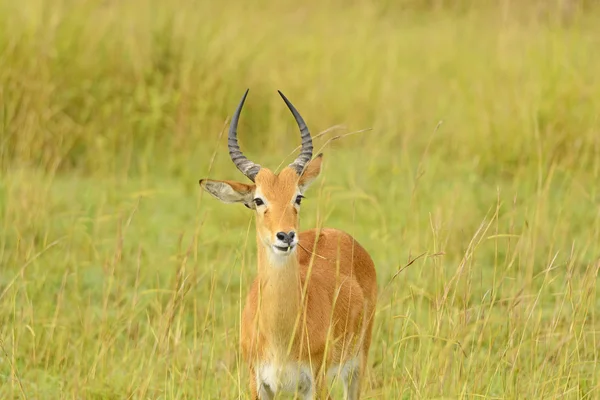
(120,279)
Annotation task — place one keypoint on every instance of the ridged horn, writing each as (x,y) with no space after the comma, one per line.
(242,163)
(307,145)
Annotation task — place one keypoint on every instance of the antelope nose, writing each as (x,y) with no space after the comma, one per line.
(286,237)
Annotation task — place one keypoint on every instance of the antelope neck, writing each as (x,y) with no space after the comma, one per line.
(279,279)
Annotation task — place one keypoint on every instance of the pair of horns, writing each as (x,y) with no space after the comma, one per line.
(249,168)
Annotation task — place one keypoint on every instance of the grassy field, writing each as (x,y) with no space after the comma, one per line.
(476,189)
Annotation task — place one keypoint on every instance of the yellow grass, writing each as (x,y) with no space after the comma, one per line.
(120,279)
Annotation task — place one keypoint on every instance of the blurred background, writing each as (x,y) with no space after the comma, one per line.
(467,163)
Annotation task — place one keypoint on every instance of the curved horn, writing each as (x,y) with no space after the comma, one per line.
(246,166)
(307,145)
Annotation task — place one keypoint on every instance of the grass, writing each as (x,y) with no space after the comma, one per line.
(119,279)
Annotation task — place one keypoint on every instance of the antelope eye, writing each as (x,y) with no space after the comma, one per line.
(299,199)
(258,201)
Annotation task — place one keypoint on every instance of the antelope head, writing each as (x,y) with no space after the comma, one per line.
(275,198)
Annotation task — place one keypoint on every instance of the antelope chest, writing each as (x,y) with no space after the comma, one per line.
(284,377)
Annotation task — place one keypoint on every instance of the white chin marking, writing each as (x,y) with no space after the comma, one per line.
(279,257)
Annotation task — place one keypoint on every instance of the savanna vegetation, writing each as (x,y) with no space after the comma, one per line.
(467,161)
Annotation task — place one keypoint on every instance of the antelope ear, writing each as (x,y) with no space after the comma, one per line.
(311,172)
(229,191)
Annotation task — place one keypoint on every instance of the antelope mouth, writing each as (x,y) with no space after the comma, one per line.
(284,249)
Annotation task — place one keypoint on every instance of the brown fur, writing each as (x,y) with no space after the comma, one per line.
(317,305)
(340,290)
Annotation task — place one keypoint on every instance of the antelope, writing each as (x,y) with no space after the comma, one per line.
(309,312)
